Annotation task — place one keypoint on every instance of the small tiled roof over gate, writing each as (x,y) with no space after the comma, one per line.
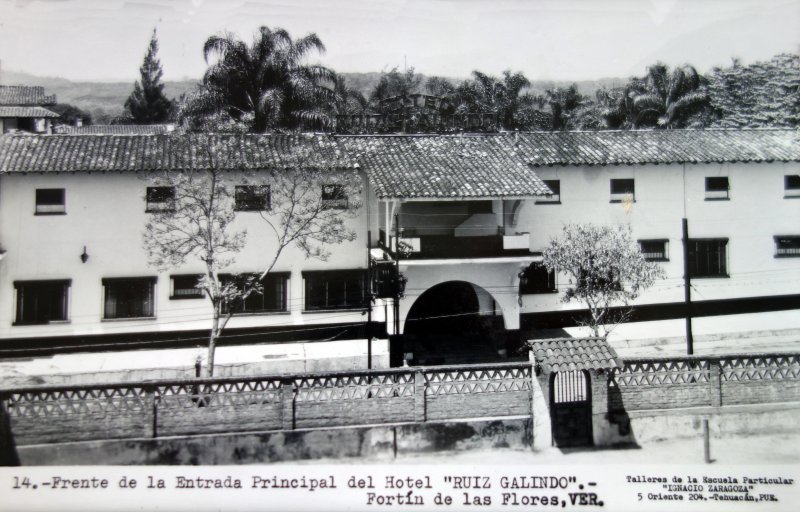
(569,354)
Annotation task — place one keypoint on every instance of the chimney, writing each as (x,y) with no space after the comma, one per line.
(78,122)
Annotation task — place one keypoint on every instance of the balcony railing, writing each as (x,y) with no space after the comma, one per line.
(420,247)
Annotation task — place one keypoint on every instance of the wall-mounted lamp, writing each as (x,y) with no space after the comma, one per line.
(84,255)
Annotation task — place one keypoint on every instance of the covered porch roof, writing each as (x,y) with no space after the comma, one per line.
(439,168)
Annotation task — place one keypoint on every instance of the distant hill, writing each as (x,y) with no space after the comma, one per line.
(105,100)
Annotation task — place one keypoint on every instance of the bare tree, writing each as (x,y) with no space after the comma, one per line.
(305,196)
(606,271)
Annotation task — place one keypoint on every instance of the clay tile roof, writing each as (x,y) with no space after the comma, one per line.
(568,354)
(659,146)
(446,167)
(26,112)
(19,95)
(117,129)
(132,153)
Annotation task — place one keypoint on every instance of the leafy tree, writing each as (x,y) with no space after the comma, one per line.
(394,83)
(147,103)
(605,269)
(763,94)
(660,99)
(196,222)
(266,84)
(70,114)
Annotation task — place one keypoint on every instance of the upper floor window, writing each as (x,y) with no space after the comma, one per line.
(271,298)
(185,287)
(160,199)
(335,289)
(654,250)
(41,302)
(787,246)
(708,257)
(555,197)
(129,297)
(252,198)
(334,197)
(537,279)
(622,190)
(50,201)
(791,185)
(717,188)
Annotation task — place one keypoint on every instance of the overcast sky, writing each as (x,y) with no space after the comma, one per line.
(565,39)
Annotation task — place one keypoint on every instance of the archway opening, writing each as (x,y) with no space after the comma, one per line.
(455,322)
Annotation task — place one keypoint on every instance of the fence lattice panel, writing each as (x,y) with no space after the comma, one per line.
(354,387)
(760,367)
(46,404)
(178,397)
(462,381)
(662,372)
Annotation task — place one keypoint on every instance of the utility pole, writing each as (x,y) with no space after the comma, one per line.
(687,289)
(397,273)
(369,300)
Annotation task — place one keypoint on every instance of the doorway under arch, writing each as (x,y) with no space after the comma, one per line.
(454,322)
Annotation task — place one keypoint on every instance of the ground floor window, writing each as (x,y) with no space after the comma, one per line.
(41,302)
(129,297)
(537,279)
(787,246)
(335,289)
(271,298)
(654,250)
(708,258)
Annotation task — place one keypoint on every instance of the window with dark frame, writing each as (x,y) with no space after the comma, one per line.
(537,279)
(555,197)
(272,298)
(160,199)
(334,197)
(708,257)
(787,246)
(41,302)
(335,289)
(185,287)
(252,198)
(50,201)
(129,297)
(622,189)
(791,185)
(655,250)
(717,188)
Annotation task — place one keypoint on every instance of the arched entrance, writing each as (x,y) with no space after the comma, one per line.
(454,322)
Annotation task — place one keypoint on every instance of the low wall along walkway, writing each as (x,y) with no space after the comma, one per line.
(644,392)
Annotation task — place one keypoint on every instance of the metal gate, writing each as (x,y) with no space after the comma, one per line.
(571,408)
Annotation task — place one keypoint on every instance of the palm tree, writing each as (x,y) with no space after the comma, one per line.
(660,99)
(266,84)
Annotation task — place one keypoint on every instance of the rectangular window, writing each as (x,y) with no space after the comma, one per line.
(622,190)
(185,287)
(708,258)
(41,302)
(791,185)
(555,198)
(654,250)
(717,188)
(129,297)
(335,289)
(334,197)
(50,201)
(252,198)
(537,279)
(787,246)
(272,298)
(160,199)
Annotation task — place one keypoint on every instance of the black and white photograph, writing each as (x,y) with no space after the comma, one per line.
(399,254)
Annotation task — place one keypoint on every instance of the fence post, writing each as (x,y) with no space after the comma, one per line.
(419,397)
(715,382)
(150,403)
(287,404)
